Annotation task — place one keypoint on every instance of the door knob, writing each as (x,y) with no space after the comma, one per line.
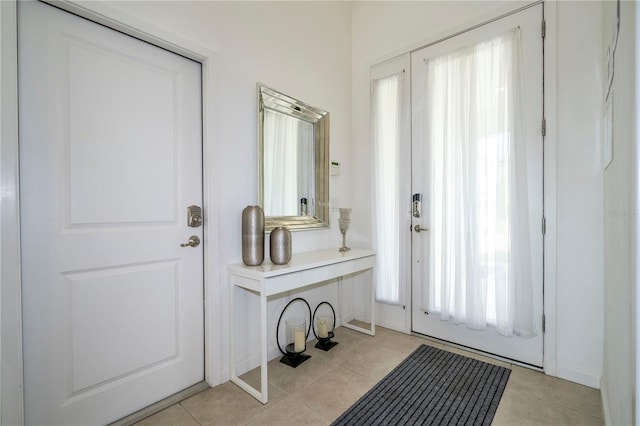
(194,241)
(418,228)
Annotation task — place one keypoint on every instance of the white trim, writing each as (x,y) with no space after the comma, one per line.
(100,12)
(577,376)
(604,394)
(11,400)
(635,238)
(11,408)
(550,187)
(469,24)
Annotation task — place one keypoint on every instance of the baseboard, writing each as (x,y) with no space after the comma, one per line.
(577,376)
(225,376)
(396,326)
(247,365)
(250,363)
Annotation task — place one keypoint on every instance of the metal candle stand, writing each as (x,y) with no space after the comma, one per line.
(292,357)
(325,343)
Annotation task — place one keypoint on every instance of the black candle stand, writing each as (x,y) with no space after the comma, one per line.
(291,357)
(325,343)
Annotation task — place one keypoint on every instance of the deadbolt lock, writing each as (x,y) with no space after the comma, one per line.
(417,205)
(194,216)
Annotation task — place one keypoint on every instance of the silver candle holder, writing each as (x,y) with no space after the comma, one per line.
(343,223)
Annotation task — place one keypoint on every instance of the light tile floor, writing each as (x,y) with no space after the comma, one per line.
(319,390)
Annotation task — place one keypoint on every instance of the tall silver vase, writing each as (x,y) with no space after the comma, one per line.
(252,236)
(280,246)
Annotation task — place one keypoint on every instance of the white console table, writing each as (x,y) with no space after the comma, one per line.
(303,270)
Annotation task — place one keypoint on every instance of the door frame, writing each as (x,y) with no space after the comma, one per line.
(397,316)
(550,13)
(525,351)
(11,357)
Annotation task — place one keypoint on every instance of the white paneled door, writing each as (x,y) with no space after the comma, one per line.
(110,159)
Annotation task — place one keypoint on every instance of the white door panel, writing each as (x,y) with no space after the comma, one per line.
(110,157)
(99,82)
(396,315)
(525,350)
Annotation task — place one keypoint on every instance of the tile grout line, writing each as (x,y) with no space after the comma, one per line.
(189,412)
(349,361)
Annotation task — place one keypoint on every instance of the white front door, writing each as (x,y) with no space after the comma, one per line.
(110,158)
(425,319)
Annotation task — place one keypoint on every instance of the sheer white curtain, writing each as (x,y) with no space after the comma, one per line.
(480,257)
(306,166)
(386,116)
(281,165)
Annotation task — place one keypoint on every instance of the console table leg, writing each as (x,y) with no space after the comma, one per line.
(232,343)
(264,355)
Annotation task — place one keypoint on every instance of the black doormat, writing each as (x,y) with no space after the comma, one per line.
(432,387)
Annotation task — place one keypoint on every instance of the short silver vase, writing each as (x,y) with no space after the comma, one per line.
(344,222)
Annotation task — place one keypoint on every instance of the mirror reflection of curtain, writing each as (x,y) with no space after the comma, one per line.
(280,164)
(388,238)
(480,255)
(307,167)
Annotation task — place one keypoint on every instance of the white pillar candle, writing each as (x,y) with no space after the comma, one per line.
(323,329)
(299,341)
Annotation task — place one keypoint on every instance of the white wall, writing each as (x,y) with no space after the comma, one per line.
(321,52)
(579,192)
(620,223)
(382,30)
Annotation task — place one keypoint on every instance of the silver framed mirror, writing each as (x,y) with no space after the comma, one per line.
(293,153)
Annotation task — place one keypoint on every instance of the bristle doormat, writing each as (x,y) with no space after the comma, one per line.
(432,387)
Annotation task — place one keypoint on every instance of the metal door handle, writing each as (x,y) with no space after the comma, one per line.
(418,228)
(194,241)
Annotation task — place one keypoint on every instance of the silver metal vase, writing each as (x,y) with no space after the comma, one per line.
(280,246)
(252,236)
